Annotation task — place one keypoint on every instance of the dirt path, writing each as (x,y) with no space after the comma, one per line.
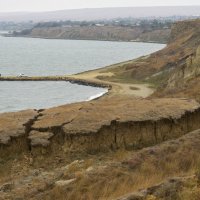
(92,78)
(138,90)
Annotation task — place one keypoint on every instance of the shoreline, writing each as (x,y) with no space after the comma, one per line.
(66,79)
(78,78)
(92,78)
(84,78)
(109,148)
(87,78)
(128,41)
(56,78)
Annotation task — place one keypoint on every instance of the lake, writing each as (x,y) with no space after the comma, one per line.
(42,57)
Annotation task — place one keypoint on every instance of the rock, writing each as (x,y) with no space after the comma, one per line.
(63,183)
(74,163)
(40,138)
(134,196)
(168,188)
(90,169)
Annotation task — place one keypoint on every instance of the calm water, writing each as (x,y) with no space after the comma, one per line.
(57,57)
(24,95)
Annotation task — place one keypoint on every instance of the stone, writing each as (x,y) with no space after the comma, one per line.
(63,183)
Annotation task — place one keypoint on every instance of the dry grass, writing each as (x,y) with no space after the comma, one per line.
(191,189)
(110,180)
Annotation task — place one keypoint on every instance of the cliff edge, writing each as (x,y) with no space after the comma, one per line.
(110,148)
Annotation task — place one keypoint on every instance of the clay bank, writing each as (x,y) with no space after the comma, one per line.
(99,125)
(67,148)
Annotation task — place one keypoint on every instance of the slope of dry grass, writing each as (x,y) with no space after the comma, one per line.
(159,66)
(117,174)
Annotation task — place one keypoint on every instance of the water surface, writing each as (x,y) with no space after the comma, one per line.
(17,96)
(42,57)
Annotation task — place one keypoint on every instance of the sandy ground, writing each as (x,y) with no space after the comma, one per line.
(118,88)
(138,90)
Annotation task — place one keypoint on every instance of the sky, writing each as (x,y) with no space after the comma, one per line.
(48,5)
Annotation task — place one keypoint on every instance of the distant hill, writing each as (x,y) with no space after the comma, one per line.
(110,33)
(102,13)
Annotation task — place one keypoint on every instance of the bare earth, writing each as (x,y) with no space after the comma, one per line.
(55,153)
(93,78)
(125,145)
(137,90)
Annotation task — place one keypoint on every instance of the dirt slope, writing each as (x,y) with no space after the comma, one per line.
(159,66)
(116,147)
(105,33)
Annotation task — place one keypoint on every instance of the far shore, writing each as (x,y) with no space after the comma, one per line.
(81,39)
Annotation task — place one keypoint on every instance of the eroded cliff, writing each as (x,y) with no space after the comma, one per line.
(105,33)
(102,125)
(113,146)
(159,67)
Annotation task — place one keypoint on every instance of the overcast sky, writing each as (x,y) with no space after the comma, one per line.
(45,5)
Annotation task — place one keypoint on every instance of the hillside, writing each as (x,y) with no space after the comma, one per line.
(111,33)
(122,146)
(158,67)
(183,80)
(98,149)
